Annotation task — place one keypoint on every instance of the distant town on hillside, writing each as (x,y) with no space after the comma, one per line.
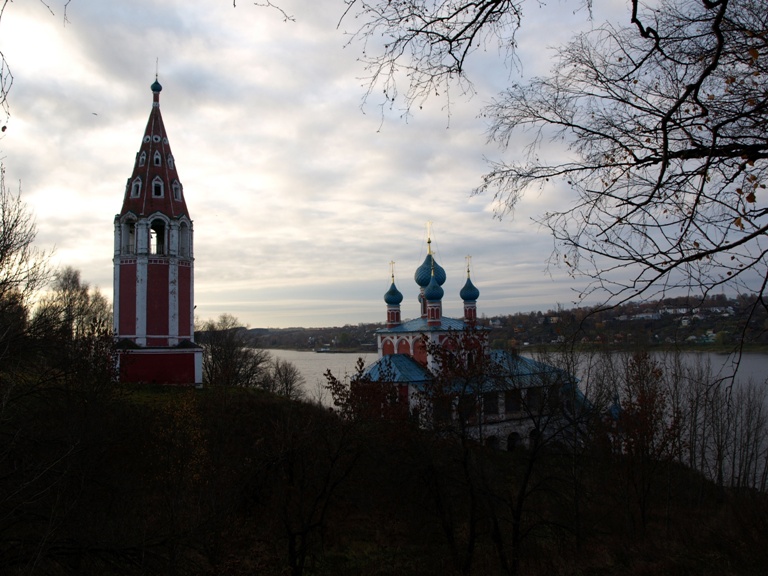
(712,322)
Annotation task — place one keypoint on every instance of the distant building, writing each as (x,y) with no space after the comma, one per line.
(154,268)
(498,398)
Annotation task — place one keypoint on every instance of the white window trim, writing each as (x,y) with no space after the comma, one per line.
(155,182)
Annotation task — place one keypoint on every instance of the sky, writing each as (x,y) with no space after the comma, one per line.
(301,193)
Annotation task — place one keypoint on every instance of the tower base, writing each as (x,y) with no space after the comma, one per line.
(177,366)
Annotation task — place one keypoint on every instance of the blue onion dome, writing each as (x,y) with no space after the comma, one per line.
(156,87)
(393,296)
(469,292)
(423,275)
(433,291)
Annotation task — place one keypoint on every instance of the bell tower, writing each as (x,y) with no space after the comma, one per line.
(154,267)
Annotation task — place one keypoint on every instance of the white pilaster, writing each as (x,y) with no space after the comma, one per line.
(173,239)
(192,287)
(141,299)
(118,240)
(116,295)
(173,299)
(142,252)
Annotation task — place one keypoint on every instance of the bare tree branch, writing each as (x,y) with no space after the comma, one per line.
(425,44)
(665,123)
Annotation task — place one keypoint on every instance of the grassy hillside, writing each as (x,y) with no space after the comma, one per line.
(217,481)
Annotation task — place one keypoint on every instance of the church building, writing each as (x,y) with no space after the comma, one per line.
(443,372)
(154,268)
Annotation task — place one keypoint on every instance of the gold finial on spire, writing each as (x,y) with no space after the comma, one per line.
(468,258)
(392,270)
(157,66)
(429,236)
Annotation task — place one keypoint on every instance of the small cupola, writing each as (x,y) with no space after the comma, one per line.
(469,294)
(393,298)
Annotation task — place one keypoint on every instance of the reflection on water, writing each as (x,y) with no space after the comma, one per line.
(751,367)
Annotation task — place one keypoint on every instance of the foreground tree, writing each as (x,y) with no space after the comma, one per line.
(230,357)
(72,327)
(285,379)
(73,309)
(647,427)
(23,270)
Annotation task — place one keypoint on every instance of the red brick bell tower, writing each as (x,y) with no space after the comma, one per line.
(154,268)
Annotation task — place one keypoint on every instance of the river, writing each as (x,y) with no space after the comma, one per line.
(312,365)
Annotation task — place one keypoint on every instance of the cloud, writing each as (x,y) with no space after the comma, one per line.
(300,198)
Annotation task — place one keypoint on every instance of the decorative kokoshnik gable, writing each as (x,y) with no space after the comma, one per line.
(154,268)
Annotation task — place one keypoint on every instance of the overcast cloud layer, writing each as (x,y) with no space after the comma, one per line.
(300,198)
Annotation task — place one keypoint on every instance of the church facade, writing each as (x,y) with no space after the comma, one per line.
(153,268)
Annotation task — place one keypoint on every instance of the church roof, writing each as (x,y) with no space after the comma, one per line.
(399,368)
(154,185)
(523,372)
(420,325)
(507,372)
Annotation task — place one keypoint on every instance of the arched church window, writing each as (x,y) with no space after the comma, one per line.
(129,237)
(142,158)
(157,187)
(157,237)
(158,159)
(136,188)
(176,190)
(170,161)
